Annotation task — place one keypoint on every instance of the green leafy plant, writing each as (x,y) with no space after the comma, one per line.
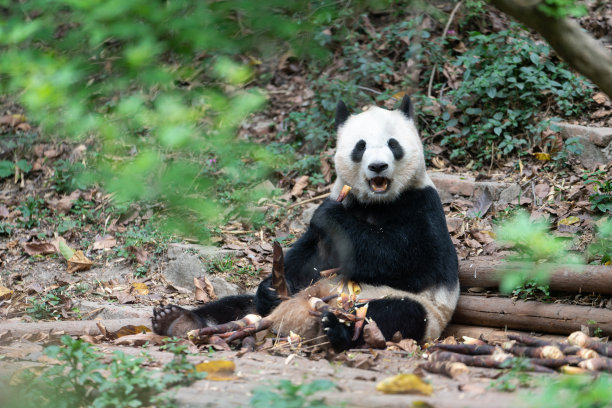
(32,210)
(87,377)
(44,307)
(504,78)
(515,377)
(601,248)
(532,288)
(6,228)
(577,391)
(563,8)
(289,395)
(68,176)
(536,250)
(601,199)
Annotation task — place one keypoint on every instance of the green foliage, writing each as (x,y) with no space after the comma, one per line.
(506,77)
(86,377)
(601,248)
(288,395)
(601,199)
(159,85)
(536,251)
(32,210)
(44,307)
(68,176)
(563,8)
(584,391)
(532,288)
(6,228)
(514,378)
(7,168)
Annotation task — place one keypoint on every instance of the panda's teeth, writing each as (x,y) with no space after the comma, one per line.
(379,184)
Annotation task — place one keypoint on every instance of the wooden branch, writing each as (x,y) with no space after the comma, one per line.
(578,48)
(533,316)
(486,273)
(72,327)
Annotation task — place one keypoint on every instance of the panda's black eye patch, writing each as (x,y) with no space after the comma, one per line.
(396,149)
(358,150)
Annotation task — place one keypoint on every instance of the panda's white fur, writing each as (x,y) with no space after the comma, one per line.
(376,126)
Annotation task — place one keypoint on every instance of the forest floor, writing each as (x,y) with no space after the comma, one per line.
(128,267)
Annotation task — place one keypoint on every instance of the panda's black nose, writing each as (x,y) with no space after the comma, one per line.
(378,167)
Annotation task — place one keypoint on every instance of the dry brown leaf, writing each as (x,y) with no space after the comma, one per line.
(326,169)
(484,237)
(106,242)
(4,212)
(140,339)
(65,203)
(218,370)
(130,330)
(139,253)
(542,156)
(372,336)
(438,162)
(541,190)
(125,297)
(78,262)
(569,220)
(12,120)
(140,288)
(5,293)
(404,384)
(600,98)
(408,345)
(41,248)
(472,243)
(601,113)
(300,184)
(204,291)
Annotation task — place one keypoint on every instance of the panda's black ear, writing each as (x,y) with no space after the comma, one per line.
(342,114)
(406,107)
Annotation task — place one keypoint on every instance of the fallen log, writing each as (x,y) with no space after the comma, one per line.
(529,315)
(72,327)
(486,273)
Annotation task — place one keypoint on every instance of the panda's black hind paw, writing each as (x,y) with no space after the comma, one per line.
(172,320)
(338,334)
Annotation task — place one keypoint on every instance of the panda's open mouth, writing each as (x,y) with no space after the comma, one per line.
(379,184)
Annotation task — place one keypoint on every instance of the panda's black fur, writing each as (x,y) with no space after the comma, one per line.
(389,235)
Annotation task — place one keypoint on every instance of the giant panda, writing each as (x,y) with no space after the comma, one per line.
(388,235)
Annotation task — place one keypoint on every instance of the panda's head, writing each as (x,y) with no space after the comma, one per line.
(379,153)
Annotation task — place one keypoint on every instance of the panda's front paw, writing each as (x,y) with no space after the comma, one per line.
(266,298)
(338,334)
(172,320)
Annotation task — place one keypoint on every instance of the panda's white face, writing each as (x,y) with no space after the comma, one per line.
(379,154)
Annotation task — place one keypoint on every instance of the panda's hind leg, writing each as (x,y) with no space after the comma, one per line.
(172,320)
(338,334)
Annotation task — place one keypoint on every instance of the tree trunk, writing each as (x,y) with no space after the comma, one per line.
(530,316)
(579,49)
(486,273)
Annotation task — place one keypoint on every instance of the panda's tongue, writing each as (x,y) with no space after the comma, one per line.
(379,184)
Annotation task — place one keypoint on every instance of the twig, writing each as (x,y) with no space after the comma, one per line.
(310,200)
(433,71)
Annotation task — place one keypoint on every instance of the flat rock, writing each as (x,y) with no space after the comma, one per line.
(450,185)
(184,263)
(107,311)
(224,288)
(596,143)
(599,136)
